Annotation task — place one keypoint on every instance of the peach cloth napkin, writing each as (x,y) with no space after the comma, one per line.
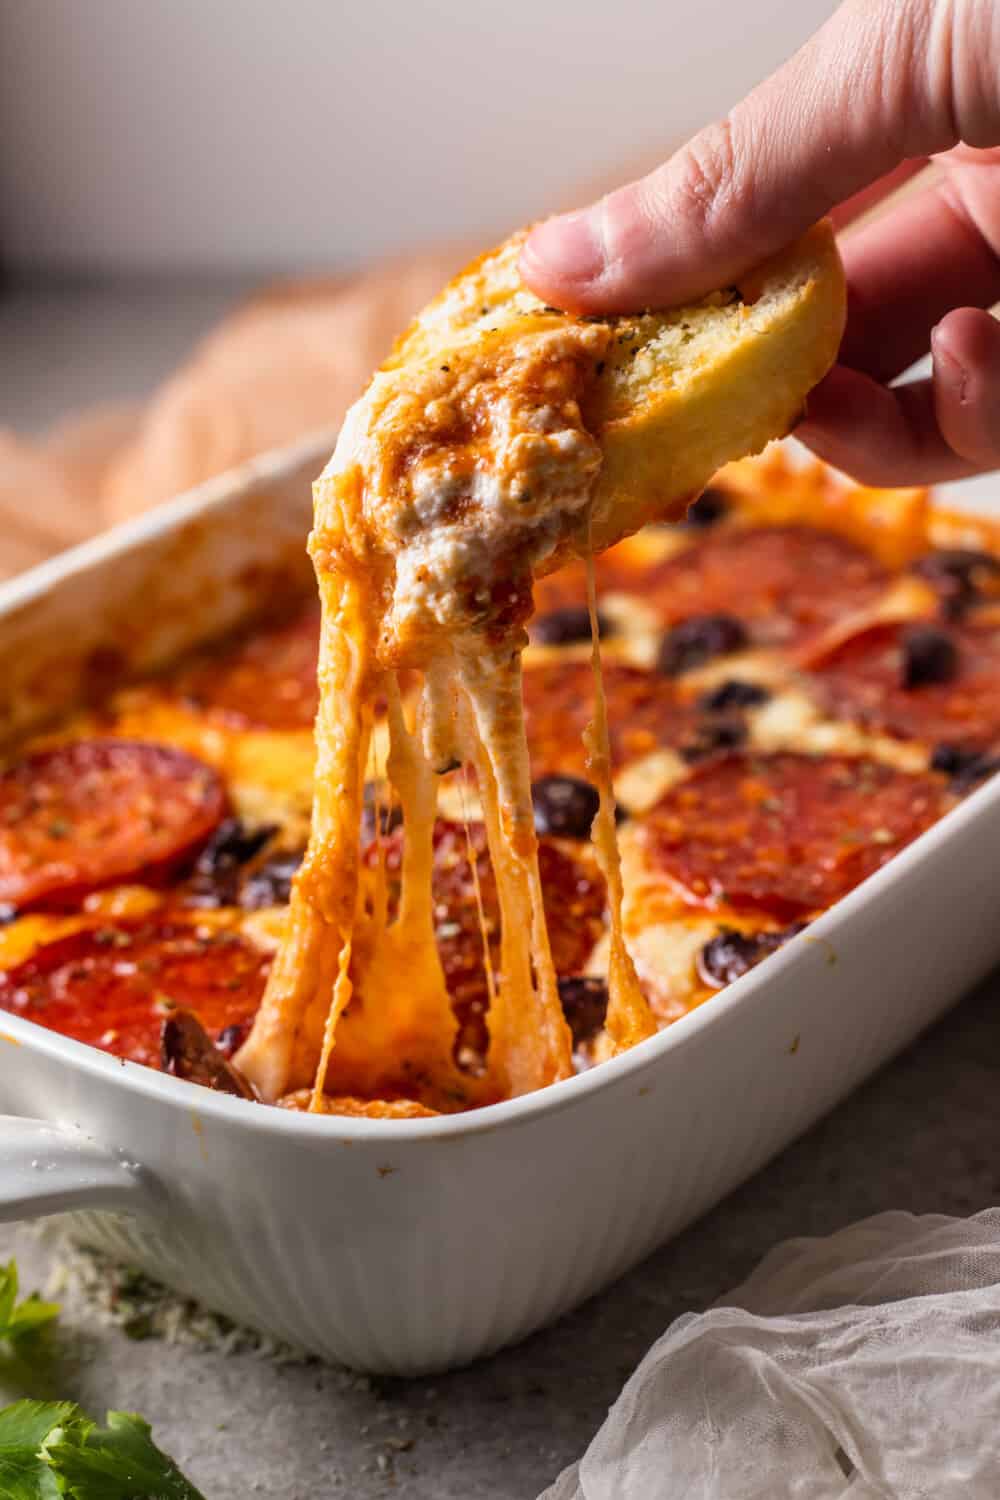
(286,363)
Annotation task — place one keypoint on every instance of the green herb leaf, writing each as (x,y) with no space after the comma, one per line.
(117,1462)
(21,1321)
(51,1450)
(24,1429)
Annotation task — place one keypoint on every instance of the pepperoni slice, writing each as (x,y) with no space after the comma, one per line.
(787,583)
(787,834)
(867,679)
(644,713)
(113,985)
(574,896)
(266,681)
(93,813)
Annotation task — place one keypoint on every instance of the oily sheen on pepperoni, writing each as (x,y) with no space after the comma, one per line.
(267,681)
(574,896)
(644,714)
(93,813)
(112,985)
(788,584)
(865,680)
(786,833)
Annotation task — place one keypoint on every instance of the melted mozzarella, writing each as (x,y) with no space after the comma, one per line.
(450,486)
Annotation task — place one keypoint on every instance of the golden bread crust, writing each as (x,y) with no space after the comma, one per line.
(678,393)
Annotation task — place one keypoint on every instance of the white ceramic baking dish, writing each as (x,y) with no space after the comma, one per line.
(409,1246)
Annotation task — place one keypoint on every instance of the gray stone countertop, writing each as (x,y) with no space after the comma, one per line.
(923,1135)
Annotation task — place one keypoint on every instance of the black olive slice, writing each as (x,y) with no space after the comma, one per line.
(716,735)
(565,806)
(390,814)
(584,1001)
(231,1039)
(566,626)
(929,655)
(270,884)
(216,875)
(730,954)
(732,694)
(709,508)
(961,575)
(699,639)
(965,767)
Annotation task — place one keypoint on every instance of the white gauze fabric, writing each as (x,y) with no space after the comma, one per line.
(860,1366)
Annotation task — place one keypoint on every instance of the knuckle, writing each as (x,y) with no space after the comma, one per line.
(705,176)
(964,52)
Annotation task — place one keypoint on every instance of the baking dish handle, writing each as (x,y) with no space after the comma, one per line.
(47,1169)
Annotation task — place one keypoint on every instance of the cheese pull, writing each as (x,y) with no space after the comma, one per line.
(500,438)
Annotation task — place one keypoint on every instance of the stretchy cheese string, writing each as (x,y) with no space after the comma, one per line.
(339,951)
(398,1037)
(309,974)
(407,958)
(379,897)
(530,1043)
(484,931)
(629,1018)
(343,987)
(341,996)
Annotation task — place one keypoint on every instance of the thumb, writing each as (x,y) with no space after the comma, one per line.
(861,96)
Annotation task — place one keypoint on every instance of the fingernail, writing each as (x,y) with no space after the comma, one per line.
(572,246)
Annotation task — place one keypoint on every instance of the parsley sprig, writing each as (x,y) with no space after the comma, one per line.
(21,1322)
(51,1450)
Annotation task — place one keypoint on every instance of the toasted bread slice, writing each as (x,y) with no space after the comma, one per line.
(503,436)
(678,393)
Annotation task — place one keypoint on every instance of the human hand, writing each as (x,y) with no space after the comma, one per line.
(880,90)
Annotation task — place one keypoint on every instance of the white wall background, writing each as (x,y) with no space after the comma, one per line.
(203,135)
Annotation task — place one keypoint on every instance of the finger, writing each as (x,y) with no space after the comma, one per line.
(907,269)
(926,432)
(876,193)
(966,348)
(876,435)
(858,99)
